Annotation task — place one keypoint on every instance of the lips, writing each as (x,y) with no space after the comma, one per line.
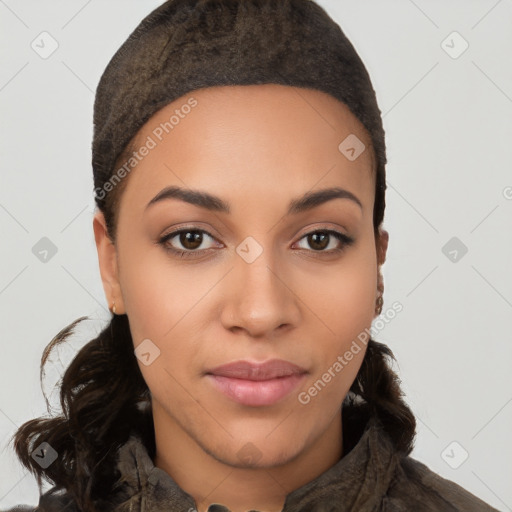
(272,369)
(256,384)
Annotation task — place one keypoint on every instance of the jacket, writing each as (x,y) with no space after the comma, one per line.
(371,477)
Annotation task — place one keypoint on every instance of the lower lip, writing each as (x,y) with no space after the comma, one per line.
(256,393)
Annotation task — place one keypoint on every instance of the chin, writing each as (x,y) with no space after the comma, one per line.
(249,455)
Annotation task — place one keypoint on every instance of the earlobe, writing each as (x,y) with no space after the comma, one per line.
(107,260)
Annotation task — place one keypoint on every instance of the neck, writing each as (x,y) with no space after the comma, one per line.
(210,480)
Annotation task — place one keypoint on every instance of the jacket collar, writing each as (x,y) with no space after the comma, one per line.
(358,481)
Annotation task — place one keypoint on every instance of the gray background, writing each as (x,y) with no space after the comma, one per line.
(448,121)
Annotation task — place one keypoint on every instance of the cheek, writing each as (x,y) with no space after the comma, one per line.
(344,296)
(344,303)
(159,294)
(167,304)
(161,302)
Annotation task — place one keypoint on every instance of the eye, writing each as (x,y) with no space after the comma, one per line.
(191,239)
(319,240)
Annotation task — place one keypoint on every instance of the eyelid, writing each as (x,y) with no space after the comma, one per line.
(323,227)
(343,238)
(197,227)
(164,239)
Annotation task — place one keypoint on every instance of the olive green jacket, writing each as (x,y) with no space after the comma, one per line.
(371,477)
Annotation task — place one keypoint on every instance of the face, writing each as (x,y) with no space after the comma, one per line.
(254,274)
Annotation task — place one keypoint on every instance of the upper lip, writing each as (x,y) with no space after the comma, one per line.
(272,369)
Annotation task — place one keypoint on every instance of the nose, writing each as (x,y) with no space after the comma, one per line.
(259,298)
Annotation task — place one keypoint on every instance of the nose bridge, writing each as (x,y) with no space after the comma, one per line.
(258,301)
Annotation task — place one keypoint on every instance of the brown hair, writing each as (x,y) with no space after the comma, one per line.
(184,45)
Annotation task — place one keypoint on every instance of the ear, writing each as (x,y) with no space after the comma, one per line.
(107,259)
(381,241)
(382,246)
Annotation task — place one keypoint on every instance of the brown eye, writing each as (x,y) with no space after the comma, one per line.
(319,240)
(185,242)
(190,239)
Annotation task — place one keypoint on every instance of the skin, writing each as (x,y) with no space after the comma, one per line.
(256,147)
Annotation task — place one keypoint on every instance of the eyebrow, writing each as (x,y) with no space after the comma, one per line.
(208,201)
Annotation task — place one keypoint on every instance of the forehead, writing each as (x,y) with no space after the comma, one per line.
(269,138)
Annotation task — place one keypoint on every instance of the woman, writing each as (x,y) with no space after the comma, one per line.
(239,170)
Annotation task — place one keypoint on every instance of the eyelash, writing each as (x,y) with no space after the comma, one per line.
(344,239)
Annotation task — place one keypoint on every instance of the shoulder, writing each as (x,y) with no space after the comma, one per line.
(416,487)
(49,502)
(21,508)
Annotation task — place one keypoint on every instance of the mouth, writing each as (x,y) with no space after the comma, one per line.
(257,384)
